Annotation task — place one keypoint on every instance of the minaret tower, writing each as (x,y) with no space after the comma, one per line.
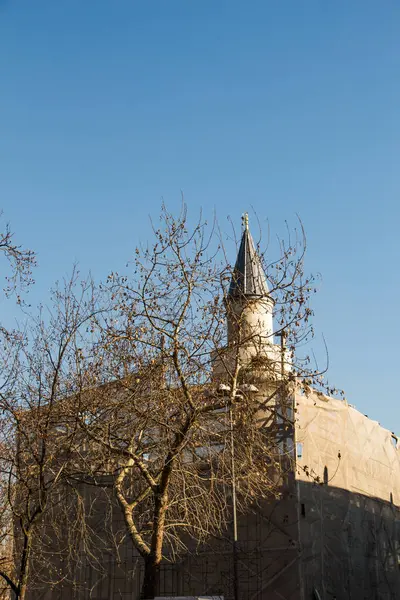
(249,310)
(249,304)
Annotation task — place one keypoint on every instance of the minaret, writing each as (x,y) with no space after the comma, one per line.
(249,304)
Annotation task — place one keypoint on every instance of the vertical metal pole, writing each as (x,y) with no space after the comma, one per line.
(282,335)
(283,395)
(234,511)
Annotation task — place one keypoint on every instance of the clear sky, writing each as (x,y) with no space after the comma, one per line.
(287,106)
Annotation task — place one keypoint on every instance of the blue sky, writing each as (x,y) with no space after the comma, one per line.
(106,107)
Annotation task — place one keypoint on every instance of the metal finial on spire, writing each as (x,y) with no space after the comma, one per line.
(245,221)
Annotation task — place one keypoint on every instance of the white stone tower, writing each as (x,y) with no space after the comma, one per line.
(249,308)
(249,305)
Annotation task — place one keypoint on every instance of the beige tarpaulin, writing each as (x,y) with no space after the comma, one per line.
(348,482)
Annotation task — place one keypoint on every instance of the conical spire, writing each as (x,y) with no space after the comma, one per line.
(248,277)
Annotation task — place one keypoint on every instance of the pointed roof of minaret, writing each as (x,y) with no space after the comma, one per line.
(248,277)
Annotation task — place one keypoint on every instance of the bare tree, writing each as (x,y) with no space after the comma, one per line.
(36,442)
(136,390)
(21,262)
(183,425)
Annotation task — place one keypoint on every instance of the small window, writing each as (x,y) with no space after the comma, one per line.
(299,449)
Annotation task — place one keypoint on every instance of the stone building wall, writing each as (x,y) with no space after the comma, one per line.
(334,533)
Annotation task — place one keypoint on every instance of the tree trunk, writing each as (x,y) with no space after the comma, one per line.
(24,568)
(151,581)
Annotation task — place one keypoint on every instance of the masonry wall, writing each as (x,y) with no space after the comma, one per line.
(268,562)
(334,534)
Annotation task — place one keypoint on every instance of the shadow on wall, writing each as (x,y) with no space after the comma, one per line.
(350,544)
(318,541)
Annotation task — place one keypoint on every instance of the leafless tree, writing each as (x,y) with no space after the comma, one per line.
(21,262)
(170,436)
(18,278)
(36,443)
(134,390)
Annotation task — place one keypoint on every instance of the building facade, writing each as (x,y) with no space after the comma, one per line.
(334,533)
